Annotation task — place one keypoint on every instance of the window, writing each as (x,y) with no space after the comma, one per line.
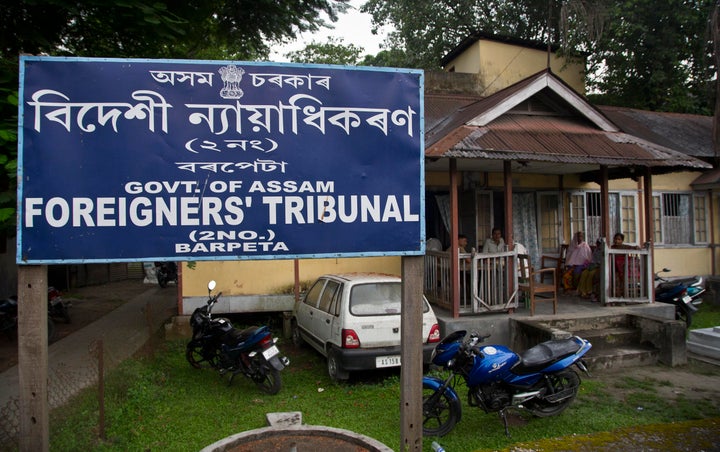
(313,294)
(586,215)
(700,203)
(328,296)
(550,222)
(680,218)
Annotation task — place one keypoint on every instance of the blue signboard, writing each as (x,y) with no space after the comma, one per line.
(125,160)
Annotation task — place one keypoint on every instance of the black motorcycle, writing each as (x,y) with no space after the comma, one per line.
(58,308)
(9,319)
(217,344)
(685,294)
(166,272)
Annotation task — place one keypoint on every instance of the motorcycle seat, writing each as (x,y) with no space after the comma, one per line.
(544,354)
(239,336)
(669,285)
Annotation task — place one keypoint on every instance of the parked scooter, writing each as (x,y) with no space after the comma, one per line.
(57,306)
(166,272)
(251,352)
(539,380)
(685,294)
(9,319)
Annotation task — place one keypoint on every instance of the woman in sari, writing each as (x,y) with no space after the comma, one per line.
(578,257)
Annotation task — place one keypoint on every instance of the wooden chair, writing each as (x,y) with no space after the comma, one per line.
(555,261)
(530,281)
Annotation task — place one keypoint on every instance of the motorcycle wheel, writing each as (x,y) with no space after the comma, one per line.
(684,316)
(196,356)
(561,381)
(65,314)
(440,414)
(9,327)
(267,378)
(51,330)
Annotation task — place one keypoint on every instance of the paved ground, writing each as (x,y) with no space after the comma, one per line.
(88,304)
(137,311)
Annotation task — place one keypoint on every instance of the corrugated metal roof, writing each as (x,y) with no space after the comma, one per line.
(562,140)
(576,138)
(691,134)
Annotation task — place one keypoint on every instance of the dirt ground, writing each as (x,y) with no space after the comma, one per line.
(88,304)
(694,381)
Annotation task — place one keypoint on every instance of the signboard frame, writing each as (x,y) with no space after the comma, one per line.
(123,160)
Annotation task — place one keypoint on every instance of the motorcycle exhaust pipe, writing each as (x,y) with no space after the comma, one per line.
(519,399)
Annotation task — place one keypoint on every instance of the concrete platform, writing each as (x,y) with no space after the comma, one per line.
(705,342)
(569,307)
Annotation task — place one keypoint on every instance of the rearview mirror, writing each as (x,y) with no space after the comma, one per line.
(211,285)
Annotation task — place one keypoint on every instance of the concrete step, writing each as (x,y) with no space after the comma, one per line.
(599,322)
(623,356)
(610,337)
(706,336)
(705,342)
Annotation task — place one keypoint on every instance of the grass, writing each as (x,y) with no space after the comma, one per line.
(708,316)
(164,404)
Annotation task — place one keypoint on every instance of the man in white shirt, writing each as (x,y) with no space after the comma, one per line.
(494,244)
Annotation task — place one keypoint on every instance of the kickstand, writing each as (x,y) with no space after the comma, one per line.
(503,416)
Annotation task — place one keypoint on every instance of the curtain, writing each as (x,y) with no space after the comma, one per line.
(443,202)
(525,225)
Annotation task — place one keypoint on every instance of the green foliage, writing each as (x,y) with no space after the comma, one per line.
(206,29)
(427,29)
(641,53)
(164,404)
(655,56)
(334,51)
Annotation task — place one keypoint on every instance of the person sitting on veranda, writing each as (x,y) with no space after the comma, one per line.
(578,257)
(494,244)
(589,282)
(621,261)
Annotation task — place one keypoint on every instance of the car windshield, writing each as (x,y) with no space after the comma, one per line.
(377,299)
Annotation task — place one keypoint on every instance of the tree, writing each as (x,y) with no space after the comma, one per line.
(334,51)
(203,29)
(655,56)
(641,53)
(426,30)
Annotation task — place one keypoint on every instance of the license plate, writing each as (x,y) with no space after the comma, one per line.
(387,361)
(270,352)
(687,299)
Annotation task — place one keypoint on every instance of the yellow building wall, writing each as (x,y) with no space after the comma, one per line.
(683,261)
(501,65)
(272,277)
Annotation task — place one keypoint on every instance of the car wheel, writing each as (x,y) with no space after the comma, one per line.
(335,370)
(296,337)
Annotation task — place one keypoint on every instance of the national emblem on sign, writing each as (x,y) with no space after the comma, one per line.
(231,76)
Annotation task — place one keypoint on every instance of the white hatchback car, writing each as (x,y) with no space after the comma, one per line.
(354,320)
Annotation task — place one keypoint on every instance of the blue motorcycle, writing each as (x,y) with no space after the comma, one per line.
(539,380)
